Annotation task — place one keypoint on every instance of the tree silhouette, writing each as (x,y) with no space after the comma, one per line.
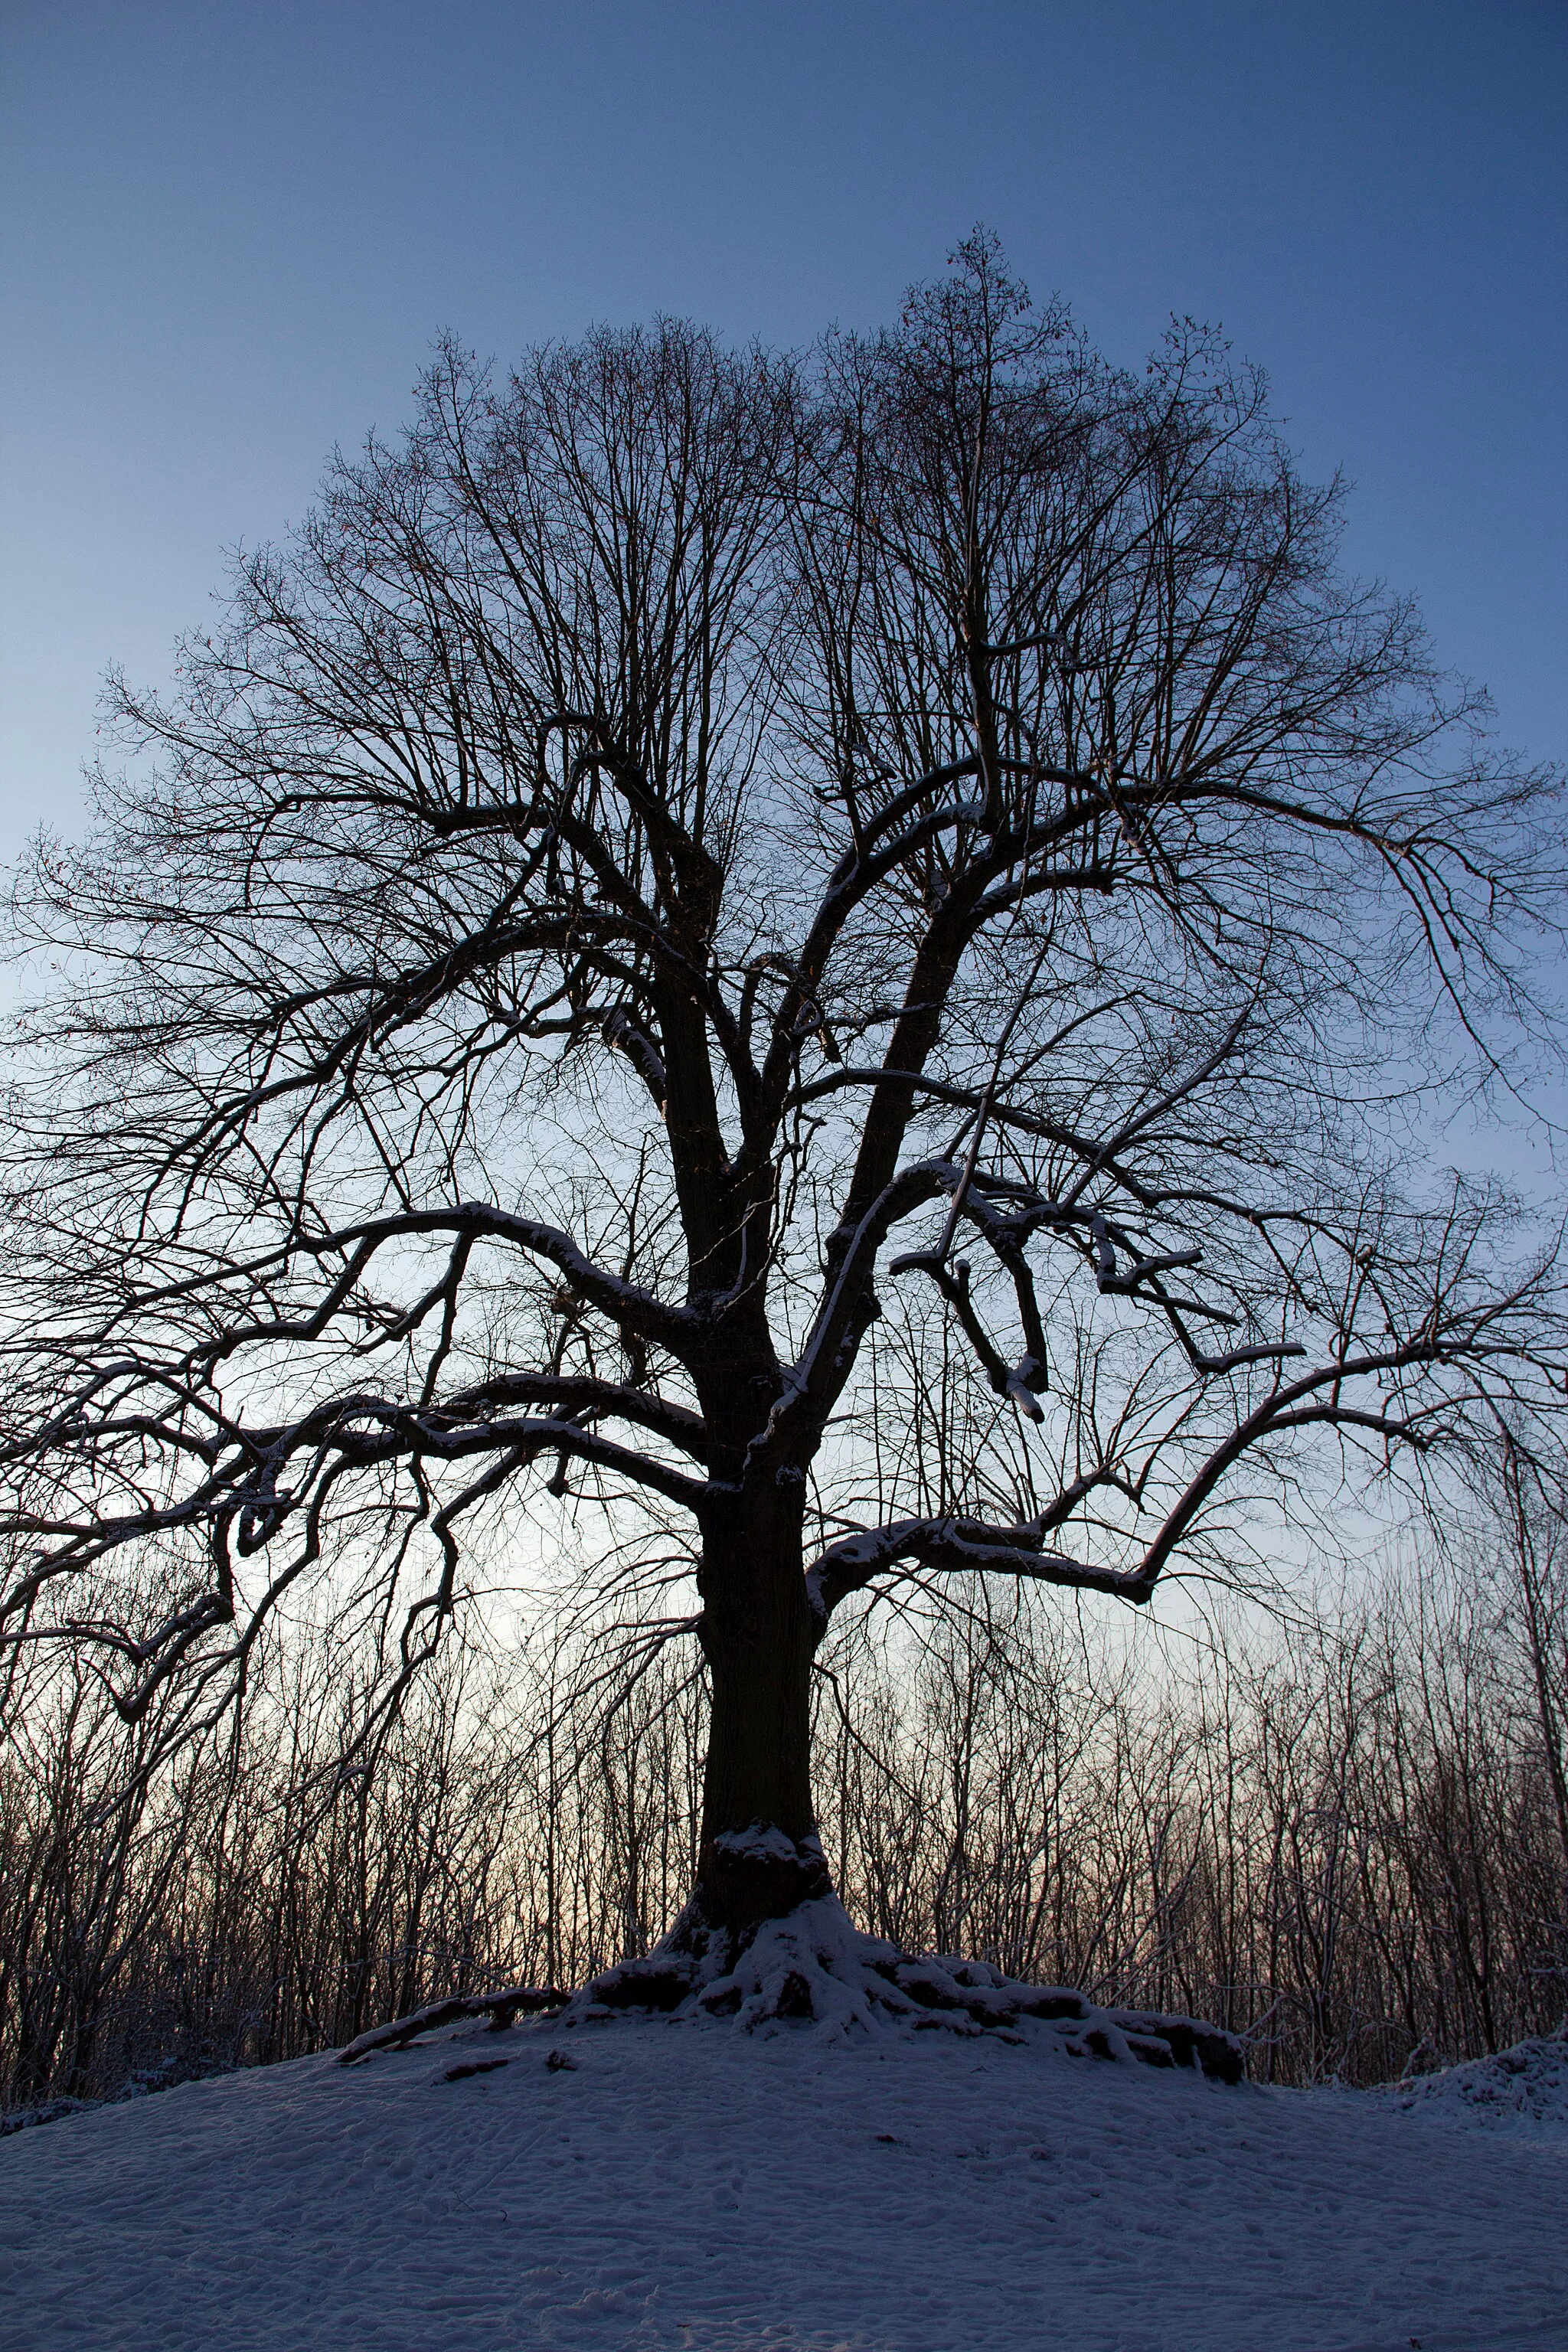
(811,951)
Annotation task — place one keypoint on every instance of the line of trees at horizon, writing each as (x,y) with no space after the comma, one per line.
(1345,1838)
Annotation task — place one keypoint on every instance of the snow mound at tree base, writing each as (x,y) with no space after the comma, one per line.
(665,2186)
(812,1964)
(1522,2092)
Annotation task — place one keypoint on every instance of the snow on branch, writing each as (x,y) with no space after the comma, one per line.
(349,1433)
(501,2007)
(1020,1381)
(584,1399)
(952,1545)
(622,1031)
(625,1303)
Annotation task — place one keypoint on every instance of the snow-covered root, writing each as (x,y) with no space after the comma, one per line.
(751,1954)
(766,1940)
(502,2009)
(812,1964)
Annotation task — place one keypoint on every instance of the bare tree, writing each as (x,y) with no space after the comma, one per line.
(814,956)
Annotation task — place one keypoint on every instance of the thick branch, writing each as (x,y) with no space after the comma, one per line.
(955,1545)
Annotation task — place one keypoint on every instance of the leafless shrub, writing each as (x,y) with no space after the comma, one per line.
(1345,1843)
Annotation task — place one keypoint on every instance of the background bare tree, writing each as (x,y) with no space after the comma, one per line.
(675,851)
(1336,1837)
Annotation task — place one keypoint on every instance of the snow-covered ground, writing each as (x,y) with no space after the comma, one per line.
(681,2184)
(1521,2092)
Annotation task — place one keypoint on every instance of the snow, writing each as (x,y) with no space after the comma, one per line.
(812,1962)
(763,1840)
(1521,2092)
(671,2182)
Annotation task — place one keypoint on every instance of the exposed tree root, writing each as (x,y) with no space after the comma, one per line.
(814,1965)
(811,1965)
(502,2009)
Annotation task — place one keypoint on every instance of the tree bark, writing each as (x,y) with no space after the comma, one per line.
(758,1856)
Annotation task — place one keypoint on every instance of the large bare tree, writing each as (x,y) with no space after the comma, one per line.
(811,963)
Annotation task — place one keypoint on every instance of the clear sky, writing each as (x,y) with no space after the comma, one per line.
(228,232)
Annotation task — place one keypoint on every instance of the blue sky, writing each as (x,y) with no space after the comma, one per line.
(228,232)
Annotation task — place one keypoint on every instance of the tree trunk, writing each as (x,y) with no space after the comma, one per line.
(759,1855)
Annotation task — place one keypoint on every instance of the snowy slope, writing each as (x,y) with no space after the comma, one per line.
(1522,2092)
(684,2185)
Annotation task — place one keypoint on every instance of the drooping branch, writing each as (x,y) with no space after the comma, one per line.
(353,1433)
(625,1302)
